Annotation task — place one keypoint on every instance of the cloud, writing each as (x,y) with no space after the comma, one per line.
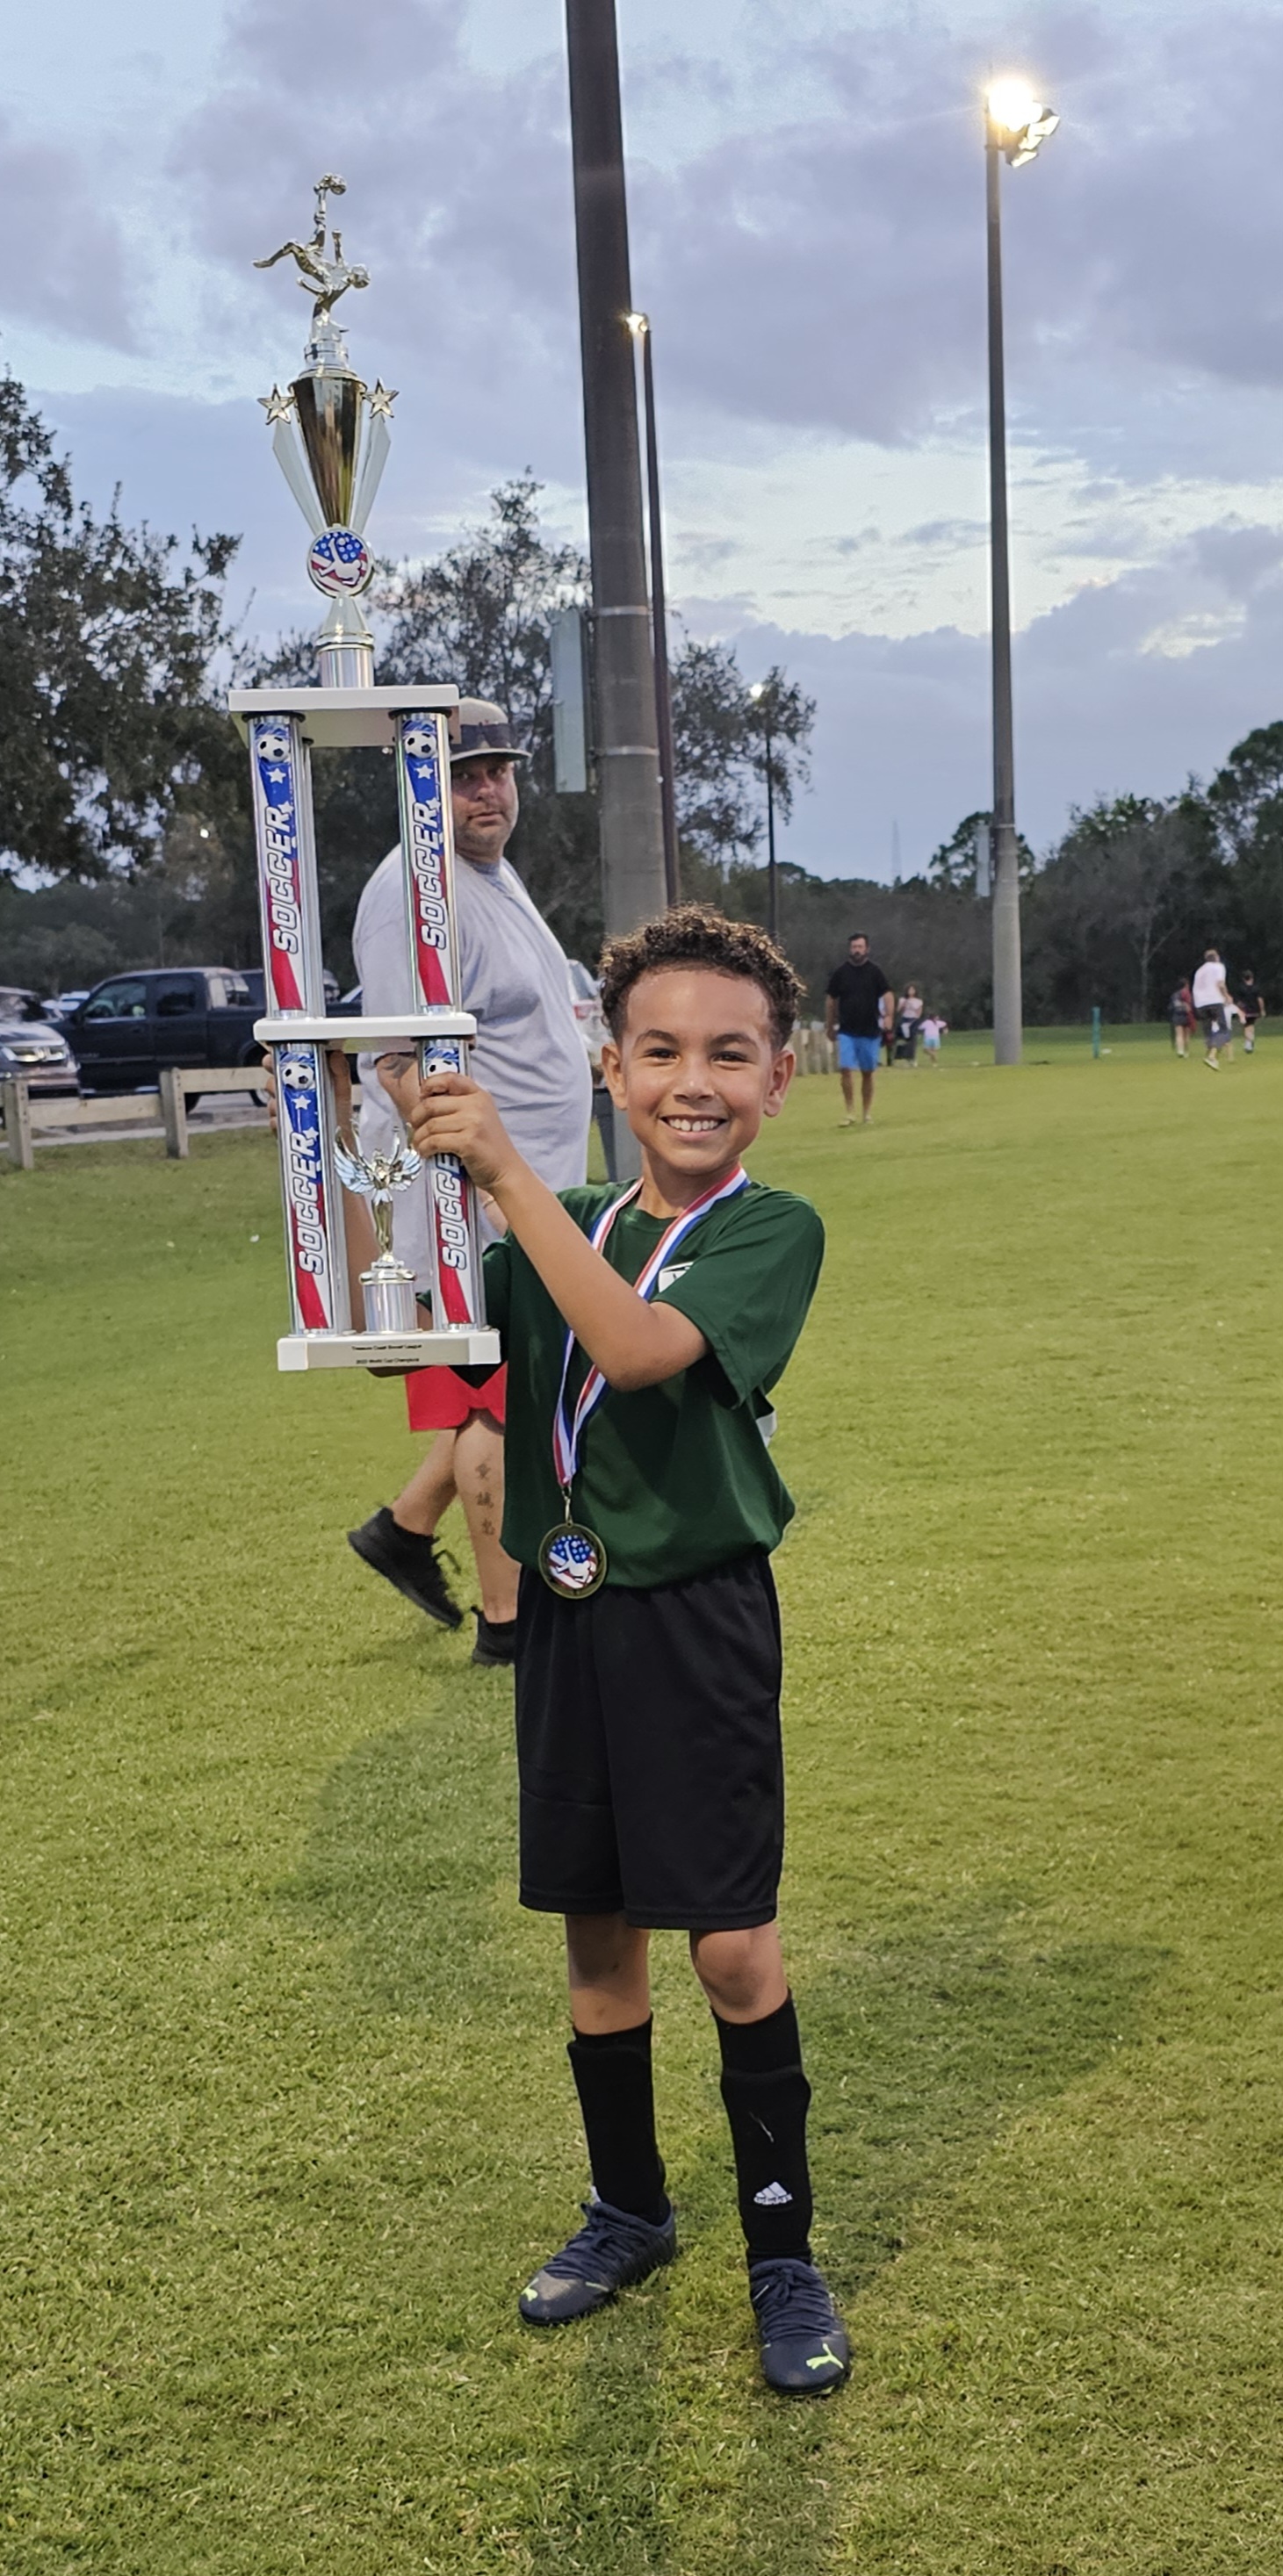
(1132,685)
(813,271)
(65,264)
(459,203)
(828,274)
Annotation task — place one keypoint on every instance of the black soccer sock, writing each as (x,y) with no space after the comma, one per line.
(613,2080)
(766,2096)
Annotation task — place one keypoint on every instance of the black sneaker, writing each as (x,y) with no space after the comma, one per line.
(805,2352)
(496,1641)
(612,2251)
(409,1561)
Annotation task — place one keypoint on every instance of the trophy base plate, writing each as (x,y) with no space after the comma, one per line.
(360,1036)
(343,718)
(475,1348)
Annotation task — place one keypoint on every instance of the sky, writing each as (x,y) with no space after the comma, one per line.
(806,199)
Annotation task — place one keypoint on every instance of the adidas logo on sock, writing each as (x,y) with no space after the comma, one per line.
(774,2197)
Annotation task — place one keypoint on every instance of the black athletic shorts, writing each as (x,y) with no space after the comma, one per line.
(648,1750)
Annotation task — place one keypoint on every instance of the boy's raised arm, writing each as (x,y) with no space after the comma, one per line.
(632,1343)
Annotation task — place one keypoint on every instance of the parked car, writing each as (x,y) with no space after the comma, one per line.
(32,1050)
(131,1026)
(61,1006)
(585,996)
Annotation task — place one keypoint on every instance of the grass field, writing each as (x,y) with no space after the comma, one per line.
(287,2120)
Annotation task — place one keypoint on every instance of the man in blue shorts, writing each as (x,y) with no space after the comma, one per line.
(858,1008)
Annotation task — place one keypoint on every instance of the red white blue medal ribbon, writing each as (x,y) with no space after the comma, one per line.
(566,1434)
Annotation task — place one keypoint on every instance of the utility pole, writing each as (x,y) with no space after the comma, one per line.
(632,840)
(761,696)
(639,325)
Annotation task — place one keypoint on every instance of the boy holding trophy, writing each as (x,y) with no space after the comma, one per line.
(642,1333)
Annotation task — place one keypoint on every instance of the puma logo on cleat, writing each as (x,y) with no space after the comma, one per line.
(774,2197)
(817,2360)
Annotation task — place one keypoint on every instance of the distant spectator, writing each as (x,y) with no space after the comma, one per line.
(908,1019)
(933,1028)
(1252,1006)
(859,1007)
(1213,1005)
(1180,1011)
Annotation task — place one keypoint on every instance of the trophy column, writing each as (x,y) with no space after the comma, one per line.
(289,909)
(427,849)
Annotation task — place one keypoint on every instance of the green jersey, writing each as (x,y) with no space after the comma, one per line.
(676,1478)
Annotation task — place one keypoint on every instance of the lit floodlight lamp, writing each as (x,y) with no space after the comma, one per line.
(637,323)
(1018,122)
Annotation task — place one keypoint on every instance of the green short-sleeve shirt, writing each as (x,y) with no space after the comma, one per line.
(675,1478)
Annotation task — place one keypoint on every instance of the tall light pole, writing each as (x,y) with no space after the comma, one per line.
(1015,124)
(632,844)
(639,325)
(761,696)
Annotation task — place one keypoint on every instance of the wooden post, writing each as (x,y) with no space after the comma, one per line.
(17,1124)
(174,1106)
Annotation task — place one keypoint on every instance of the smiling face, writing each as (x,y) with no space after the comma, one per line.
(483,794)
(697,1068)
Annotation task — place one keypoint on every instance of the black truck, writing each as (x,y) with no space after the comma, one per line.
(132,1025)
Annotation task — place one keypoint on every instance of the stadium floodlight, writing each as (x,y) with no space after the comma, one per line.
(1018,122)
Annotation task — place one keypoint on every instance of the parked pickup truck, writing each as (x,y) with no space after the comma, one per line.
(132,1025)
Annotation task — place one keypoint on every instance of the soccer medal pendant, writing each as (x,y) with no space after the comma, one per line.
(572,1560)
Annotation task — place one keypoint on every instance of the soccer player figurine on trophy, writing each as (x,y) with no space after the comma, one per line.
(330,435)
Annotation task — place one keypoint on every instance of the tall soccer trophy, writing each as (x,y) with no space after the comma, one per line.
(330,435)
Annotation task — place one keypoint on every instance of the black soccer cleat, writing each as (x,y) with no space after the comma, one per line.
(496,1641)
(609,2254)
(805,2352)
(410,1562)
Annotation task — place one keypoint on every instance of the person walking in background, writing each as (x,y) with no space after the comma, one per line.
(1180,1011)
(908,1020)
(1213,1005)
(530,1055)
(933,1029)
(1252,1007)
(859,1008)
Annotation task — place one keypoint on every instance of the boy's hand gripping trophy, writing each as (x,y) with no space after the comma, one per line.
(331,438)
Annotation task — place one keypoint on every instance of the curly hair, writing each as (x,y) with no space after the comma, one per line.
(692,934)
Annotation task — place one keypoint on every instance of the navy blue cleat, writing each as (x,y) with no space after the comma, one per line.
(612,2251)
(805,2352)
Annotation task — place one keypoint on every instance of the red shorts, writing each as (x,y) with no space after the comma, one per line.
(438,1399)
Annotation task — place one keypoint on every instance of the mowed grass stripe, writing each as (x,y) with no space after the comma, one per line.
(287,2118)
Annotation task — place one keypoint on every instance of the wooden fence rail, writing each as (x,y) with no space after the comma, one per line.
(28,1122)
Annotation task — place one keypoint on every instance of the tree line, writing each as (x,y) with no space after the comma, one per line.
(125,824)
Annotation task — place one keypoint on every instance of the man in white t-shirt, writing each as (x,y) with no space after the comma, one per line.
(530,1055)
(1214,1007)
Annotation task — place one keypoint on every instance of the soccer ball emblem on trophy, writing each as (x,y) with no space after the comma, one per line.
(331,437)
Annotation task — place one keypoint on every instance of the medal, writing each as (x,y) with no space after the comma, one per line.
(572,1559)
